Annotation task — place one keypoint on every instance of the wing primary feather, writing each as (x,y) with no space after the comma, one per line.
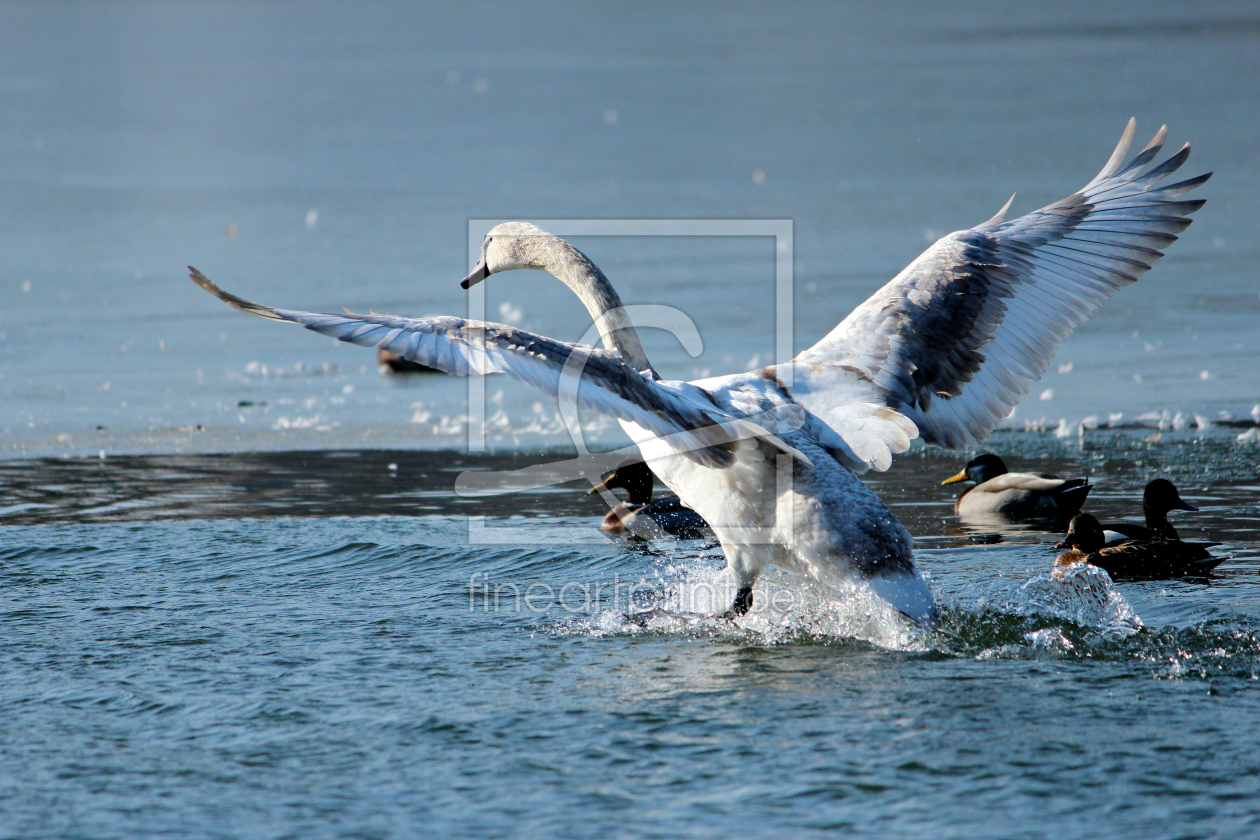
(232,300)
(1162,171)
(1117,157)
(1145,156)
(1157,141)
(999,215)
(1174,190)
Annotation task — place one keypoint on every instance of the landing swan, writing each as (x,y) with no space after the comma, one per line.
(943,352)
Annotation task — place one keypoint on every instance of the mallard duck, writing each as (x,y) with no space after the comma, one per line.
(1017,494)
(641,516)
(1132,559)
(1159,497)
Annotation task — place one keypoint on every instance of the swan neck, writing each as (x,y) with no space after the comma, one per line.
(604,305)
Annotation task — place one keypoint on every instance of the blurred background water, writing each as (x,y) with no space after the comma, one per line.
(234,578)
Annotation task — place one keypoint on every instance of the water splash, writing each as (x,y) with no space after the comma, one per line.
(693,594)
(1044,616)
(1083,595)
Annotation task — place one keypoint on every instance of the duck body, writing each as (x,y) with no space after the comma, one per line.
(1134,559)
(390,363)
(639,516)
(1017,495)
(1154,559)
(663,517)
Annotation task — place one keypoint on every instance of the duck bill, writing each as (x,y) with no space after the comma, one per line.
(1186,505)
(481,272)
(598,488)
(954,479)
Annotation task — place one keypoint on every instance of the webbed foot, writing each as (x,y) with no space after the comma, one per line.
(743,603)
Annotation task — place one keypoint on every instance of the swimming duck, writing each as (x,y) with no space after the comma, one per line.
(1017,494)
(1159,497)
(641,516)
(1132,559)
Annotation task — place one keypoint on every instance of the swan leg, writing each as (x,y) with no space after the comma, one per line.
(743,603)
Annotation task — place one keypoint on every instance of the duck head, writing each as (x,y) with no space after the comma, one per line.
(979,470)
(634,477)
(1161,496)
(1084,533)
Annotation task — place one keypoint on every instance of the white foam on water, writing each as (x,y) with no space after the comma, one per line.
(786,608)
(1083,595)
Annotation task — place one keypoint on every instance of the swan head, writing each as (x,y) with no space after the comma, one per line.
(513,245)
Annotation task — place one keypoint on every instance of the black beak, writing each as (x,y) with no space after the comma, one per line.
(478,274)
(1186,505)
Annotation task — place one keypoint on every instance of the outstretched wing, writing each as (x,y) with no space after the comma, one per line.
(595,379)
(954,340)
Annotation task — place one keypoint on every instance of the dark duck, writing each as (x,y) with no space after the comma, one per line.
(1020,495)
(639,515)
(1133,559)
(1160,497)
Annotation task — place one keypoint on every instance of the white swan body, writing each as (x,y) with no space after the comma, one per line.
(768,509)
(768,457)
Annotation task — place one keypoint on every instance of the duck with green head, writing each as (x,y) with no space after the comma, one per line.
(1020,495)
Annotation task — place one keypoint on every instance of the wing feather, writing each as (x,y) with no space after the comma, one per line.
(954,340)
(598,378)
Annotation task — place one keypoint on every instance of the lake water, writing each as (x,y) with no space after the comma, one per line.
(225,614)
(315,644)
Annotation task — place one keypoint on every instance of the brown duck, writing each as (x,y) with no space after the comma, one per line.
(1142,559)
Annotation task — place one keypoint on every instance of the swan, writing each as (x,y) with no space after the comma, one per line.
(770,457)
(1141,559)
(1023,495)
